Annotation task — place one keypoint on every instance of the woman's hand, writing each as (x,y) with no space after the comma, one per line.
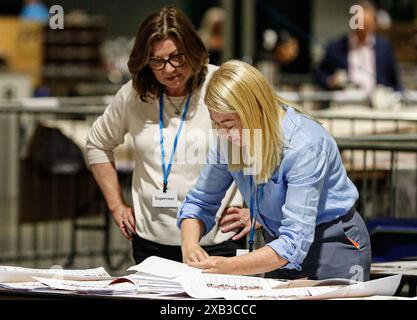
(234,218)
(125,219)
(193,253)
(214,265)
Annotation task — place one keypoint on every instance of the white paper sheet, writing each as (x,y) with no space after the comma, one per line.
(20,274)
(151,284)
(377,298)
(379,287)
(273,294)
(25,286)
(164,268)
(98,286)
(303,283)
(206,286)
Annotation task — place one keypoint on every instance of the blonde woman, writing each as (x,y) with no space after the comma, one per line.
(298,188)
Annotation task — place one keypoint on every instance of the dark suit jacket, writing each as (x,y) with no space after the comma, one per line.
(337,58)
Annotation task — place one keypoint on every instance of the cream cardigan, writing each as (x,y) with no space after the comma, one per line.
(128,114)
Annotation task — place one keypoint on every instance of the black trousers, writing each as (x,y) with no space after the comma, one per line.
(143,249)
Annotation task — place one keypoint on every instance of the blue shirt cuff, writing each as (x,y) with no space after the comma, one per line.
(191,211)
(286,250)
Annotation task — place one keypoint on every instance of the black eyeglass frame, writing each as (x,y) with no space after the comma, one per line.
(165,61)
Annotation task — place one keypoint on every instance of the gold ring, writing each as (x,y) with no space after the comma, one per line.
(241,222)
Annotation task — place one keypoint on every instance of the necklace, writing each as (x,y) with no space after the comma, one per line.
(177,107)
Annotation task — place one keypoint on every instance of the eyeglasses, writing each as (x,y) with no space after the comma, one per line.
(175,60)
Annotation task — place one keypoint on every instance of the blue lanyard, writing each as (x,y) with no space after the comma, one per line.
(252,216)
(166,170)
(253,197)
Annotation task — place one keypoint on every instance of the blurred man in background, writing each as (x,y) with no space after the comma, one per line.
(361,59)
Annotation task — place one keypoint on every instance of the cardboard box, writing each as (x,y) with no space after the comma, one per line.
(21,43)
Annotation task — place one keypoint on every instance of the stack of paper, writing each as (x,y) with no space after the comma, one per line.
(380,287)
(23,286)
(201,285)
(93,286)
(160,277)
(26,279)
(150,284)
(205,286)
(19,274)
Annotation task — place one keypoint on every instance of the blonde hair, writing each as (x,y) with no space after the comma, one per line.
(237,87)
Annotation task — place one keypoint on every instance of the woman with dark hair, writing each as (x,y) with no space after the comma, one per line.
(163,103)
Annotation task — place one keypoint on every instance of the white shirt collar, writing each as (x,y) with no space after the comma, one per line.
(354,40)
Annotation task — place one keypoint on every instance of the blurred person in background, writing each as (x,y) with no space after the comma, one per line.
(169,69)
(286,49)
(361,59)
(35,10)
(279,49)
(212,33)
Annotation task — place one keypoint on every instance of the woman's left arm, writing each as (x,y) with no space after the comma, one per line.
(258,261)
(306,174)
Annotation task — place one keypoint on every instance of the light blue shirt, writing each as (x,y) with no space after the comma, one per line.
(310,187)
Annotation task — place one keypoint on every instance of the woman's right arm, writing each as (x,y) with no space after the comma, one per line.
(106,133)
(196,215)
(191,232)
(106,177)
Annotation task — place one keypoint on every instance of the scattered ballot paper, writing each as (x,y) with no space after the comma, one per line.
(162,277)
(159,276)
(151,284)
(92,286)
(206,285)
(23,286)
(163,268)
(20,274)
(379,287)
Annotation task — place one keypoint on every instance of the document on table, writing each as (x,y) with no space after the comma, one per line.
(23,286)
(20,274)
(160,276)
(276,294)
(92,286)
(163,268)
(303,283)
(379,287)
(151,284)
(206,286)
